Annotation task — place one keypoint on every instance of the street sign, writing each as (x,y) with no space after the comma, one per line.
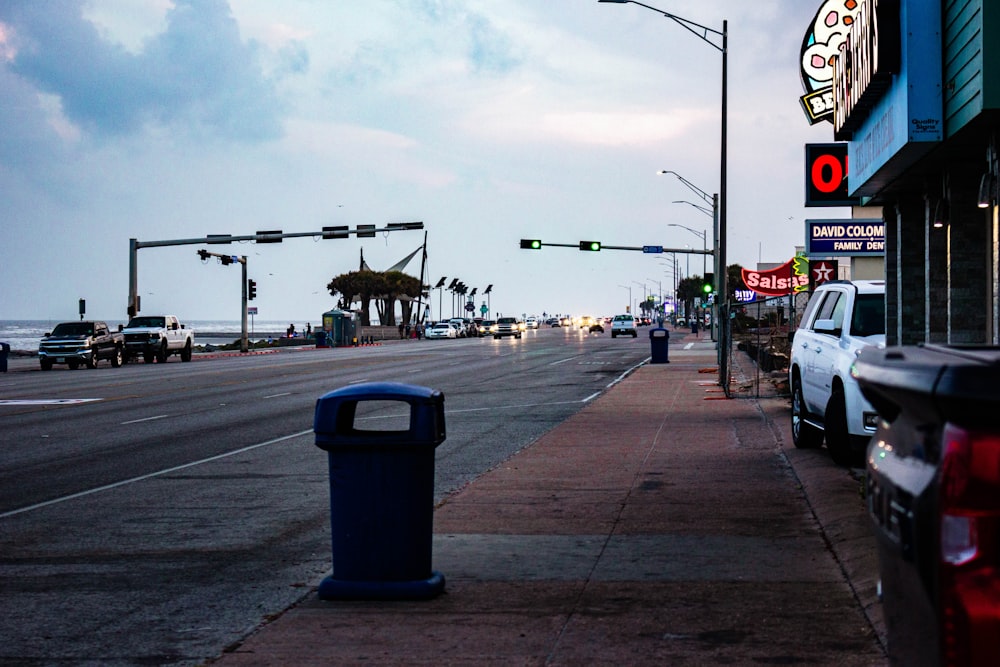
(652,249)
(469,307)
(483,309)
(251,310)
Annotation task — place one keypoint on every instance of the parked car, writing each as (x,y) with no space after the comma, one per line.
(442,330)
(623,325)
(933,495)
(507,326)
(840,320)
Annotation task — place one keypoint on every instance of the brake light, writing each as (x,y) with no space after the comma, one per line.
(970,552)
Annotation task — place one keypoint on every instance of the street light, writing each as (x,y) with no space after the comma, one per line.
(704,239)
(702,33)
(629,288)
(643,293)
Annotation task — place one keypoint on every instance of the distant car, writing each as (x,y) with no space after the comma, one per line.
(507,326)
(486,327)
(623,325)
(531,323)
(586,322)
(566,321)
(461,326)
(442,330)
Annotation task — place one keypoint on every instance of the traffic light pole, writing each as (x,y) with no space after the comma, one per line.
(242,261)
(244,340)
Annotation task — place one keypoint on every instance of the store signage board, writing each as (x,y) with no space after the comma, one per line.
(847,237)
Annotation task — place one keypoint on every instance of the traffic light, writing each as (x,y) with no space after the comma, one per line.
(708,286)
(251,290)
(204,254)
(592,246)
(531,244)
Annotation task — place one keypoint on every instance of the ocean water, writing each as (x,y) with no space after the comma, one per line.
(24,335)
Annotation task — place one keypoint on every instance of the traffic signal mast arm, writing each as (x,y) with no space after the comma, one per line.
(534,244)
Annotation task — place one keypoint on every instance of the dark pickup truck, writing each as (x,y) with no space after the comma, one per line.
(933,494)
(84,342)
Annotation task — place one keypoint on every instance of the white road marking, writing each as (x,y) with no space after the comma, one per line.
(151,475)
(144,419)
(48,401)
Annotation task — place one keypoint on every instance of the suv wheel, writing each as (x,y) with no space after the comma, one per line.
(118,358)
(838,438)
(804,434)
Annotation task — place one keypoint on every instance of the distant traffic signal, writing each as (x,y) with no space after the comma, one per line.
(592,246)
(708,285)
(531,244)
(251,290)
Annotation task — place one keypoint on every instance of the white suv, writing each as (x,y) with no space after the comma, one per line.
(623,325)
(842,318)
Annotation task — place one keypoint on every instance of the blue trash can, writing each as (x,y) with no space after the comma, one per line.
(381,494)
(658,341)
(4,353)
(321,339)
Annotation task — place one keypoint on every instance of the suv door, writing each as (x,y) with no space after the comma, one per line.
(820,348)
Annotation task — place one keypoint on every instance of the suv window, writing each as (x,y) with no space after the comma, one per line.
(624,318)
(869,315)
(507,320)
(832,308)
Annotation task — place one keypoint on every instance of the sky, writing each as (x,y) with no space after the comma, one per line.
(488,120)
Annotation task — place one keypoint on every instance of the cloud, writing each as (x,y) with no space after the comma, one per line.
(197,73)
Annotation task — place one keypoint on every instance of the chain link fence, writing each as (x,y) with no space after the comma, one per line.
(759,344)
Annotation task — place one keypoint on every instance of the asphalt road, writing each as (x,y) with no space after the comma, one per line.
(154,514)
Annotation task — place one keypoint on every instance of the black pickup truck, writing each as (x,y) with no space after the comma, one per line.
(933,494)
(84,342)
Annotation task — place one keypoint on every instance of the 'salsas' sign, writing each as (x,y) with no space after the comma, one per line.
(778,281)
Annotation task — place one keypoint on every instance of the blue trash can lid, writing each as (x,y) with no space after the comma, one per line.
(335,413)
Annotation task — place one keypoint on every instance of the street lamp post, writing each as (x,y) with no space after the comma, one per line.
(643,293)
(629,288)
(703,32)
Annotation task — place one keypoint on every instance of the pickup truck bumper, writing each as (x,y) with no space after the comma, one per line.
(61,356)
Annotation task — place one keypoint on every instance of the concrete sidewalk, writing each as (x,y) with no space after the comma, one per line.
(654,527)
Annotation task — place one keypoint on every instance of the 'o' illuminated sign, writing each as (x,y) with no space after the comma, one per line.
(826,176)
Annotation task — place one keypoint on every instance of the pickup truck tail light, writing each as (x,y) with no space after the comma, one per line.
(970,547)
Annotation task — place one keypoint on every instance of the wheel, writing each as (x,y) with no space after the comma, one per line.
(496,337)
(46,364)
(845,450)
(614,334)
(634,334)
(92,362)
(147,357)
(186,352)
(804,434)
(118,358)
(73,365)
(161,355)
(518,336)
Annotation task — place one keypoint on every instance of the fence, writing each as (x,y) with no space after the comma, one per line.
(759,346)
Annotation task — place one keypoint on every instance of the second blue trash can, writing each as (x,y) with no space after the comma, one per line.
(381,494)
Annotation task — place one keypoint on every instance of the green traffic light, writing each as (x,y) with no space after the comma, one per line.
(531,244)
(592,246)
(707,289)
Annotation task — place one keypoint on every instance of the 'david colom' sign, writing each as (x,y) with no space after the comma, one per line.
(778,281)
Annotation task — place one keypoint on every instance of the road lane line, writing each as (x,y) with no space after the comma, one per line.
(284,393)
(151,475)
(48,401)
(144,419)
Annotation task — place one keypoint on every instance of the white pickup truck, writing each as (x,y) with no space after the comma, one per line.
(841,319)
(156,337)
